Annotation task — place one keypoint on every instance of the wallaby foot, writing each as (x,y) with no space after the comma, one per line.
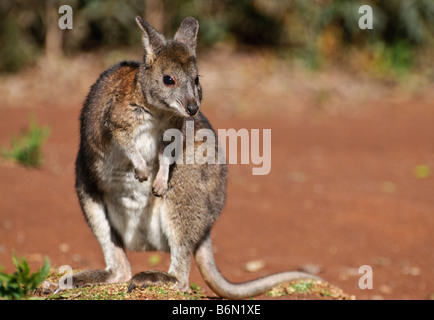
(159,187)
(150,278)
(89,277)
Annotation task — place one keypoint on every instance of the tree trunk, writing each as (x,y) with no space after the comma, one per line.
(53,35)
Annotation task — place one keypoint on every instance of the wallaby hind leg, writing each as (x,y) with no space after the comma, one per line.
(117,266)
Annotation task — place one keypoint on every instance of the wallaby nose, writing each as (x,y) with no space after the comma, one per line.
(192,109)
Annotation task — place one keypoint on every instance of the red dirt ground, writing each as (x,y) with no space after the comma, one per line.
(341,193)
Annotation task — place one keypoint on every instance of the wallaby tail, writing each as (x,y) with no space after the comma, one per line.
(225,289)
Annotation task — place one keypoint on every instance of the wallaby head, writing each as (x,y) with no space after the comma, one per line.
(169,76)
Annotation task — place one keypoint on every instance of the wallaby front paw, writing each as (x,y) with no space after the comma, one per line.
(159,187)
(141,174)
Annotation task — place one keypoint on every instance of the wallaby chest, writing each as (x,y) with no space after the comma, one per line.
(134,212)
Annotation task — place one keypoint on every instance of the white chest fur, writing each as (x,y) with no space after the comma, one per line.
(136,215)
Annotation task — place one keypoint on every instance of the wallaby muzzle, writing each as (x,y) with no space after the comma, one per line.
(192,109)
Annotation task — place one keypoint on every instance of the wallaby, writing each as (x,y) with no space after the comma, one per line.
(121,165)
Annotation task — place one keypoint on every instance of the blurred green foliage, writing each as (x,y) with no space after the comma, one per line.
(27,148)
(22,282)
(312,30)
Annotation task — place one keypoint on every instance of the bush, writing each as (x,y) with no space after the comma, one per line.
(26,149)
(21,283)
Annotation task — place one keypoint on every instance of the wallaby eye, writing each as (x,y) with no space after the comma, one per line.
(168,80)
(196,81)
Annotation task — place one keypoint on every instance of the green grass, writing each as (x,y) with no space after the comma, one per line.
(21,284)
(26,285)
(316,289)
(26,149)
(119,291)
(422,171)
(302,287)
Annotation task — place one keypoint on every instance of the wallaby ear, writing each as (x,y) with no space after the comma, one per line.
(187,33)
(153,41)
